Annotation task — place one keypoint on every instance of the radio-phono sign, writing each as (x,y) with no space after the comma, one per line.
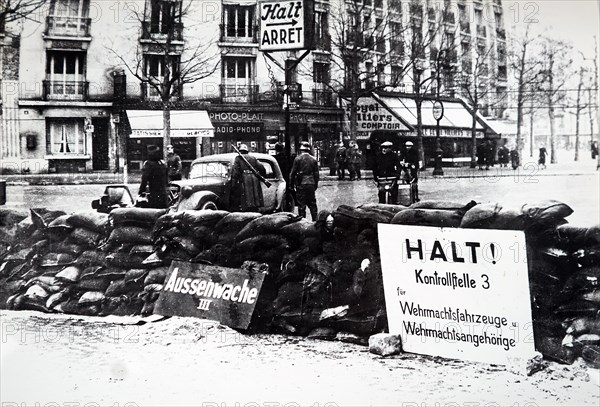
(285,25)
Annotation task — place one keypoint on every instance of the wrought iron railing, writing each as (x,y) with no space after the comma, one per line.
(323,97)
(239,34)
(238,93)
(68,26)
(162,31)
(65,90)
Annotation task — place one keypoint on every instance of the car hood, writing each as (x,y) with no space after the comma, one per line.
(214,184)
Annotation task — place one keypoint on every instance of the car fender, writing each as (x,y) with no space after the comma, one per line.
(192,201)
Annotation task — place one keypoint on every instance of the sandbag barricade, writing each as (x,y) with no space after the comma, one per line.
(324,277)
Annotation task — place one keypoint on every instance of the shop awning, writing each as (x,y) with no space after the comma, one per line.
(456,115)
(184,123)
(503,127)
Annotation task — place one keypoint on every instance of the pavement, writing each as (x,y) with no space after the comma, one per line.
(530,168)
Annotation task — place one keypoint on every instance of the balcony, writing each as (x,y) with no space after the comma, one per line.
(161,33)
(449,18)
(481,31)
(247,34)
(65,90)
(149,92)
(323,97)
(478,4)
(58,26)
(396,47)
(238,93)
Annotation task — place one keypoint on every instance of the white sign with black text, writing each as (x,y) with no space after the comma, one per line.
(458,293)
(281,25)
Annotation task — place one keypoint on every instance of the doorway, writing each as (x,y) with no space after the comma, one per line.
(100,144)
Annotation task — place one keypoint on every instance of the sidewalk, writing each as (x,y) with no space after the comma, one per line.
(530,168)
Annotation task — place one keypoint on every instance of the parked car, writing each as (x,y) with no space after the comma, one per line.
(208,185)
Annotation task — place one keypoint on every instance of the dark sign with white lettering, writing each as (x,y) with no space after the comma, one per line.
(218,293)
(238,131)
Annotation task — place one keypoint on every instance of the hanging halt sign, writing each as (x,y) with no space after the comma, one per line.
(285,25)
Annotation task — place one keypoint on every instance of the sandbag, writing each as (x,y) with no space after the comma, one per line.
(91,258)
(591,354)
(126,261)
(235,221)
(192,218)
(70,274)
(263,242)
(92,220)
(59,228)
(117,288)
(585,279)
(91,297)
(481,216)
(166,221)
(573,237)
(546,212)
(384,207)
(443,205)
(130,234)
(428,217)
(65,247)
(85,237)
(347,216)
(135,275)
(94,283)
(552,348)
(587,257)
(144,217)
(57,259)
(187,244)
(266,224)
(300,230)
(142,249)
(156,276)
(10,217)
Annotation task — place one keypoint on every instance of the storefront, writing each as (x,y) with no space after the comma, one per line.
(188,130)
(261,126)
(455,127)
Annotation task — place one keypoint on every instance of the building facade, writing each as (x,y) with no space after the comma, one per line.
(79,68)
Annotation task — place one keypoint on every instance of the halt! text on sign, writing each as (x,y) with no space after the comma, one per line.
(282,25)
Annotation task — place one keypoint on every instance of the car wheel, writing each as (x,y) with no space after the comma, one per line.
(207,203)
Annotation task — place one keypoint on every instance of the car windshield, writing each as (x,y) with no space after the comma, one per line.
(209,169)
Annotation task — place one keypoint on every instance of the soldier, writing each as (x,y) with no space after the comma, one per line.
(387,165)
(305,178)
(246,191)
(354,161)
(155,179)
(173,164)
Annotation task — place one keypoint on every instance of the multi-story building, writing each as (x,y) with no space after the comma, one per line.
(84,85)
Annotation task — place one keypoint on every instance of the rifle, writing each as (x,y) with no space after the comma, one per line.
(260,177)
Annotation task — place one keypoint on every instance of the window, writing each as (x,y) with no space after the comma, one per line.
(164,15)
(69,8)
(65,136)
(238,21)
(237,68)
(320,72)
(396,76)
(381,74)
(322,30)
(65,74)
(269,172)
(154,70)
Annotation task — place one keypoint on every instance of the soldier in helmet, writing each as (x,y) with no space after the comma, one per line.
(305,178)
(246,192)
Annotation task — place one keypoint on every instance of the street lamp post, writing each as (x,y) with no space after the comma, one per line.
(438,114)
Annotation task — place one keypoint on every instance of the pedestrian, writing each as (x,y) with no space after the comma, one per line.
(594,149)
(246,191)
(542,157)
(340,161)
(387,165)
(354,161)
(481,155)
(503,156)
(489,155)
(514,158)
(305,178)
(173,164)
(155,179)
(331,159)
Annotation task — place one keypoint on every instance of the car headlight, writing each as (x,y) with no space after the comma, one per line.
(186,192)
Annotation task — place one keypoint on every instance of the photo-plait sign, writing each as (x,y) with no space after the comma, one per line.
(458,293)
(285,25)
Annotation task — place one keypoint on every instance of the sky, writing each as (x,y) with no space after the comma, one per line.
(576,21)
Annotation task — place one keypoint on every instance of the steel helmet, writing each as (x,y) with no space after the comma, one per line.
(386,144)
(243,147)
(408,143)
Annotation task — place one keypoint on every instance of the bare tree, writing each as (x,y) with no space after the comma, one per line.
(13,10)
(526,69)
(442,60)
(579,106)
(556,62)
(475,87)
(170,62)
(360,37)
